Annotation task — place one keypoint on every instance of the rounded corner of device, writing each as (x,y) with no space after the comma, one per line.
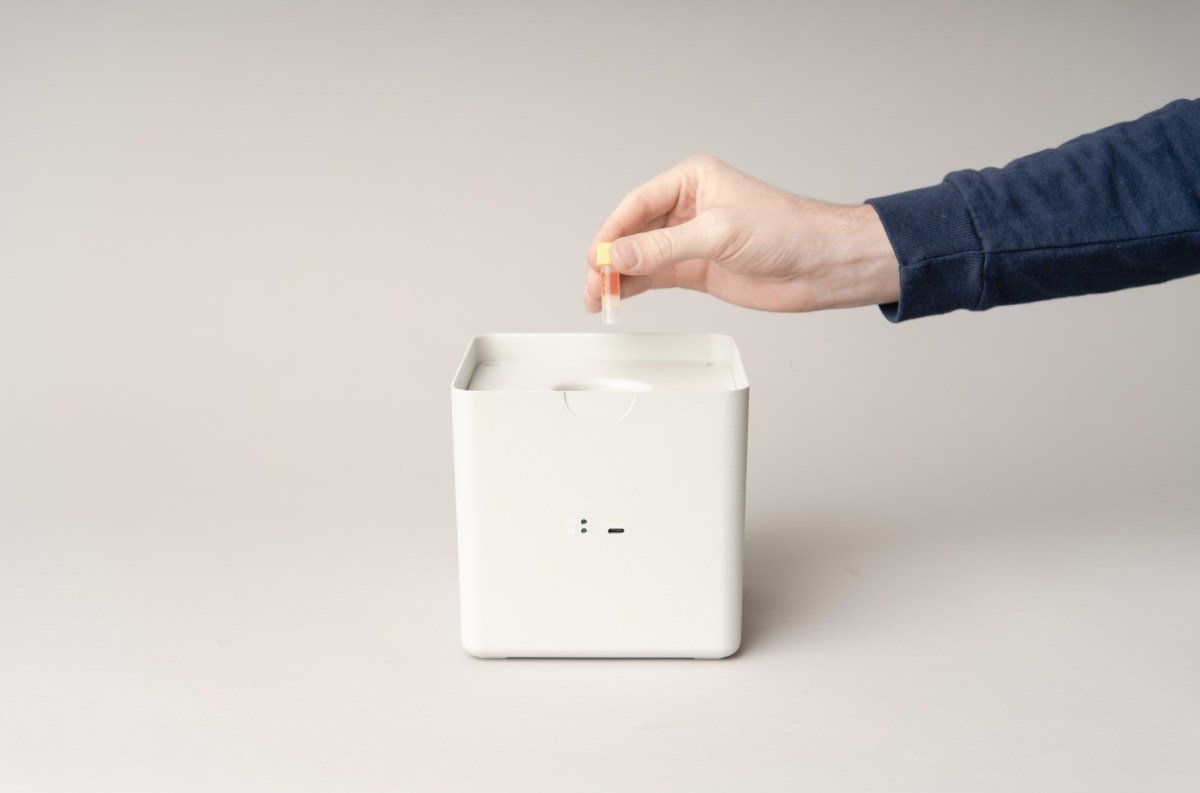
(476,649)
(729,650)
(726,647)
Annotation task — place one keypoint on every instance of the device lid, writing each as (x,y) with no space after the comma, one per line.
(601,362)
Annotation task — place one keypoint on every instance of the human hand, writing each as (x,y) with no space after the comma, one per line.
(706,226)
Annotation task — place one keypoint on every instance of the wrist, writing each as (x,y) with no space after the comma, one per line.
(860,268)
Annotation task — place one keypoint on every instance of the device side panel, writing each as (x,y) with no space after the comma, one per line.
(588,534)
(726,635)
(465,416)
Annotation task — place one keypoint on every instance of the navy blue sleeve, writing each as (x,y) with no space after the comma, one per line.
(1109,210)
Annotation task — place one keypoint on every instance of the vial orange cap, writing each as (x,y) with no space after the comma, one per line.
(603,255)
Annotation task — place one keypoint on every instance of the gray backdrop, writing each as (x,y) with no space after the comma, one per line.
(243,245)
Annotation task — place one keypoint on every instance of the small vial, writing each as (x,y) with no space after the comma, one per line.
(610,284)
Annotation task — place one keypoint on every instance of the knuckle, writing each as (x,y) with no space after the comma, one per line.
(658,247)
(701,161)
(723,230)
(631,201)
(640,203)
(721,226)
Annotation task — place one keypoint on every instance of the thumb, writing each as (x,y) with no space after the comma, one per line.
(651,251)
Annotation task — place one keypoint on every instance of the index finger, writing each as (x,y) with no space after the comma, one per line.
(639,207)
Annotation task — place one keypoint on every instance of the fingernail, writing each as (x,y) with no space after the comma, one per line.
(626,254)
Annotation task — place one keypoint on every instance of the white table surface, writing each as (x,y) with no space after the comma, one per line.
(242,248)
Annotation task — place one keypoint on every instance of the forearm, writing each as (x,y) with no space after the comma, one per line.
(1109,210)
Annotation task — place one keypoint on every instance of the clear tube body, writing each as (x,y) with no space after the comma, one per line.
(610,295)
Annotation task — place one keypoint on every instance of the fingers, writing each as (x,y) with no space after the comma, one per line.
(636,284)
(687,275)
(630,285)
(591,292)
(646,206)
(705,237)
(648,253)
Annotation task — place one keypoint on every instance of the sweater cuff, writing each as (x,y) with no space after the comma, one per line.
(940,253)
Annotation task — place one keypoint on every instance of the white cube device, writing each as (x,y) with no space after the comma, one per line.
(600,489)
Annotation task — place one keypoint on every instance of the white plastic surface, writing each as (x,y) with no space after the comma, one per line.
(602,376)
(600,490)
